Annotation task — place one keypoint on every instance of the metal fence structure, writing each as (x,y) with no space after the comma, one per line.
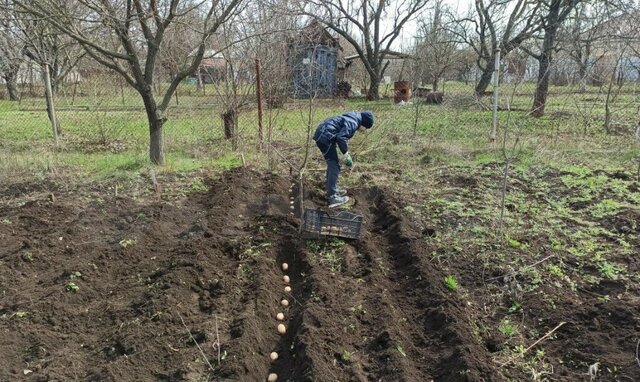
(100,114)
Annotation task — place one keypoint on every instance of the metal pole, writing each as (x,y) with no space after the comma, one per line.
(496,83)
(259,96)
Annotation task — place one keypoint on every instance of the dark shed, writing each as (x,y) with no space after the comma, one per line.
(314,61)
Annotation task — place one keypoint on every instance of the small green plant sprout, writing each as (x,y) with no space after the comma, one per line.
(5,221)
(71,287)
(18,314)
(124,243)
(555,270)
(313,245)
(410,209)
(27,257)
(515,306)
(517,244)
(75,275)
(556,244)
(605,207)
(197,185)
(358,309)
(451,282)
(609,270)
(507,328)
(346,356)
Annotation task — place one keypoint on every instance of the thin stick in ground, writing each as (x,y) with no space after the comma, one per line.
(206,360)
(535,343)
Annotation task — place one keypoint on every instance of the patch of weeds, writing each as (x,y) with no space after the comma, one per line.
(604,208)
(254,250)
(515,307)
(555,270)
(358,310)
(346,356)
(329,253)
(609,270)
(124,243)
(535,279)
(556,244)
(514,243)
(451,282)
(508,329)
(27,257)
(6,221)
(537,367)
(313,245)
(71,287)
(17,314)
(197,185)
(409,210)
(315,297)
(245,272)
(583,248)
(580,171)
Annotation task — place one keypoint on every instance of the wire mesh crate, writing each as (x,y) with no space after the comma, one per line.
(320,223)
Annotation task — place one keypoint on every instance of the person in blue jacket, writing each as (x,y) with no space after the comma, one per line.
(335,132)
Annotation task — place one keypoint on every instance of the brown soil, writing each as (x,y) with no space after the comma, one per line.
(189,290)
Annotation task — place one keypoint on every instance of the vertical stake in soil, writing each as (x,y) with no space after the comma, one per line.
(496,82)
(259,97)
(196,342)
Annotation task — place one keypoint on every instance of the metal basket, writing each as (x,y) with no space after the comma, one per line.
(344,224)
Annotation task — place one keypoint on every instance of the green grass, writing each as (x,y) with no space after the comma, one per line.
(105,132)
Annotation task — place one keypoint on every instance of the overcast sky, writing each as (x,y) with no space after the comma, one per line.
(407,38)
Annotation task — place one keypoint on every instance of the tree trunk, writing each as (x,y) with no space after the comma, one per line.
(435,83)
(374,88)
(156,124)
(12,87)
(156,140)
(544,61)
(485,78)
(542,88)
(51,111)
(230,122)
(582,73)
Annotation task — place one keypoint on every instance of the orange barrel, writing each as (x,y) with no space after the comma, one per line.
(401,91)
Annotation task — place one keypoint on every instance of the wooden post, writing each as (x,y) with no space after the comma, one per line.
(259,96)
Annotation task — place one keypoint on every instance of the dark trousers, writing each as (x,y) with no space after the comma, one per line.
(330,154)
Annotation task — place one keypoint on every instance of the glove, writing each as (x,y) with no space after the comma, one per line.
(348,161)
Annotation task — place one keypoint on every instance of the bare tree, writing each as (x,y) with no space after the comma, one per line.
(126,36)
(497,24)
(581,33)
(371,27)
(552,16)
(10,52)
(436,48)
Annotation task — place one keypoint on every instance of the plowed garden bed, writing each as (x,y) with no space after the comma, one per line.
(117,289)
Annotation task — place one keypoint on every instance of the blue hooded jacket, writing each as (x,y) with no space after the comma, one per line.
(341,128)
